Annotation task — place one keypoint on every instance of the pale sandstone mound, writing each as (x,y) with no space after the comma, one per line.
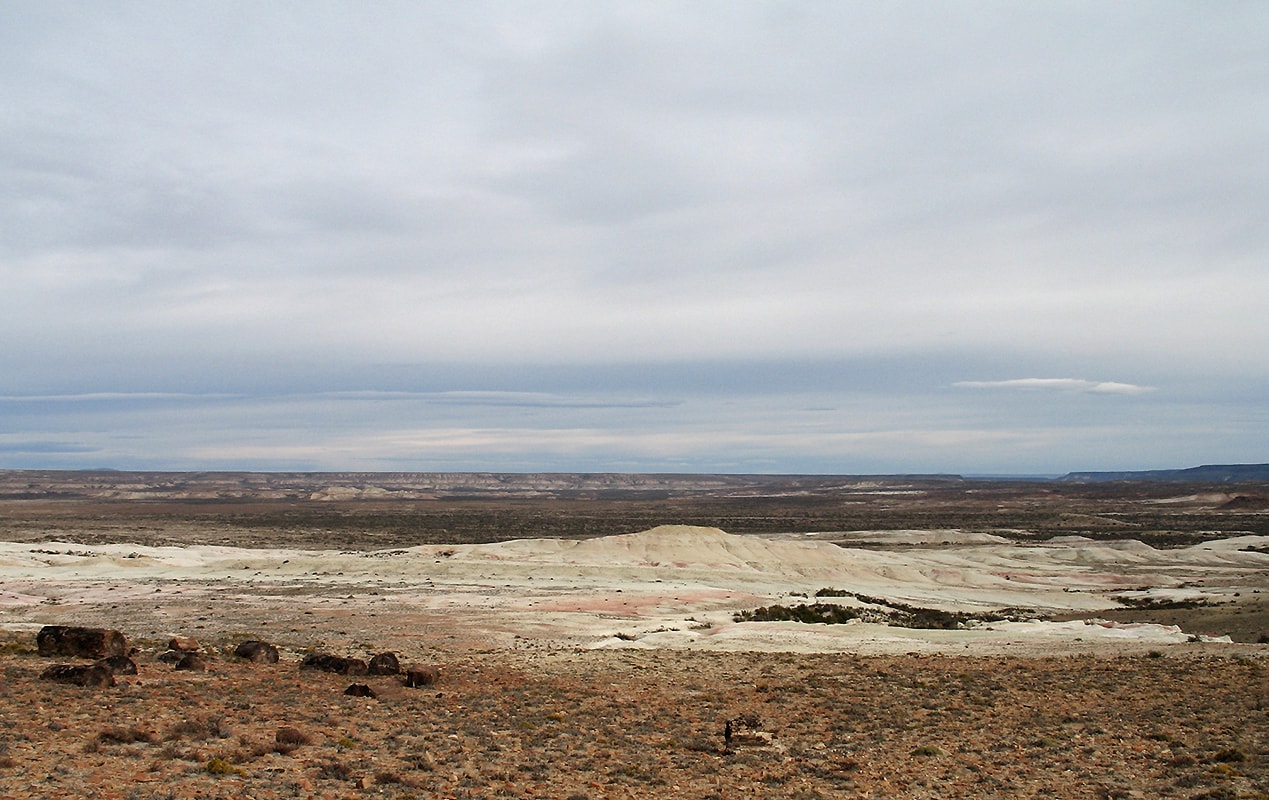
(681,547)
(689,545)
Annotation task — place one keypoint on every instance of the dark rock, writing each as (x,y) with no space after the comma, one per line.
(359,690)
(257,651)
(170,656)
(385,664)
(66,640)
(91,675)
(119,665)
(329,663)
(191,662)
(417,677)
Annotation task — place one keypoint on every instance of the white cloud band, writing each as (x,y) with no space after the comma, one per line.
(1059,384)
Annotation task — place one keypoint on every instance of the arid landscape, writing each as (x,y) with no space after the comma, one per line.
(597,636)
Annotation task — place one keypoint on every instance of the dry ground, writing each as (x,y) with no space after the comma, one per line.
(601,724)
(1074,718)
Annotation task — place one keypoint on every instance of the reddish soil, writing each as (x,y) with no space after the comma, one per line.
(626,724)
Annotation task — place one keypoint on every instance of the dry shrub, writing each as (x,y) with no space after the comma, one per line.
(334,771)
(288,740)
(116,734)
(211,727)
(386,778)
(219,766)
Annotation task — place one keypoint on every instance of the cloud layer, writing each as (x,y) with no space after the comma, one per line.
(643,211)
(1059,384)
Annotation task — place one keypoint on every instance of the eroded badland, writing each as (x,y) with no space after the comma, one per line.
(1032,639)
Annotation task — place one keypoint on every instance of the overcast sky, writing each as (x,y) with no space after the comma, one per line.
(972,237)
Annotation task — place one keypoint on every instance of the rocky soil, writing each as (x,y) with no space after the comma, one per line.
(526,707)
(640,724)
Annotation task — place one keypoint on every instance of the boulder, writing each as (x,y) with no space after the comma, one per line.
(359,690)
(184,644)
(257,651)
(191,662)
(68,640)
(170,656)
(91,675)
(328,663)
(417,677)
(385,664)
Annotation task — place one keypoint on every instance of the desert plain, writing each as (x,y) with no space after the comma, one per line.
(596,636)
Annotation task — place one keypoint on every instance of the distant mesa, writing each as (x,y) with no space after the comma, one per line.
(1210,473)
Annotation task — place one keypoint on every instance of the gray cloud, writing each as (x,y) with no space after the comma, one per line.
(243,199)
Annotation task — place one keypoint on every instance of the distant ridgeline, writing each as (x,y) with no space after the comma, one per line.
(1211,473)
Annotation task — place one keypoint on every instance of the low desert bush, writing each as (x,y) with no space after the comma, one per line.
(826,613)
(334,771)
(288,740)
(116,734)
(211,727)
(1231,755)
(219,766)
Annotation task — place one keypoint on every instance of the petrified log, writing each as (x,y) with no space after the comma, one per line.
(119,665)
(257,651)
(191,662)
(90,675)
(359,690)
(68,640)
(416,677)
(385,664)
(184,644)
(328,663)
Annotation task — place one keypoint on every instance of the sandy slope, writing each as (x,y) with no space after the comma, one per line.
(669,587)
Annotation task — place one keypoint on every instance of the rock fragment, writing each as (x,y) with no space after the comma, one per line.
(191,662)
(385,664)
(184,644)
(417,677)
(94,676)
(257,651)
(69,640)
(118,665)
(325,662)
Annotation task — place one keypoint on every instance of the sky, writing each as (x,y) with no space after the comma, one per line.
(736,236)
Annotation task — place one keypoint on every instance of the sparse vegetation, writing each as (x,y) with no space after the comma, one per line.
(890,612)
(1157,604)
(600,723)
(219,766)
(816,613)
(223,510)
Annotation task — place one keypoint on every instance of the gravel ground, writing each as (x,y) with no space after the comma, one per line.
(636,724)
